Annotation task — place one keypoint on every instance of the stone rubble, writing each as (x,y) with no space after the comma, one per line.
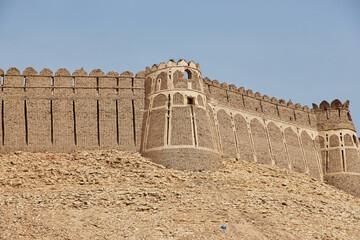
(108,194)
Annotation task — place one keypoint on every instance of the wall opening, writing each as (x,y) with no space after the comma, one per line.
(190,101)
(187,74)
(2,123)
(349,116)
(117,122)
(133,118)
(132,85)
(74,118)
(193,125)
(341,137)
(339,113)
(355,140)
(51,122)
(343,160)
(26,124)
(327,161)
(24,84)
(327,113)
(117,85)
(168,121)
(73,84)
(98,121)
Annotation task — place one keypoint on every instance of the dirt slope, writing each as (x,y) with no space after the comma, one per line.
(120,195)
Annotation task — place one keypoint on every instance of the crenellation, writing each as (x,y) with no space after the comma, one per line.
(62,72)
(233,88)
(96,73)
(266,98)
(80,73)
(46,72)
(13,71)
(30,72)
(174,116)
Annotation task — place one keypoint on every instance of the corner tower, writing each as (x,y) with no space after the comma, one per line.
(177,128)
(339,145)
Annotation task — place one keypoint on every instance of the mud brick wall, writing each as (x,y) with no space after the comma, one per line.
(64,112)
(263,129)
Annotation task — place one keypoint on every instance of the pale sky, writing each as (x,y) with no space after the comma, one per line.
(306,51)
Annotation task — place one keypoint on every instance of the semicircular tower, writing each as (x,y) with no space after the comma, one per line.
(339,146)
(177,129)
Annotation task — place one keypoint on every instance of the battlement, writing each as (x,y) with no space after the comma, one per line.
(173,115)
(333,116)
(31,72)
(171,63)
(263,105)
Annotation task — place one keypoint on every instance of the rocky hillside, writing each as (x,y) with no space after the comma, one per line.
(120,195)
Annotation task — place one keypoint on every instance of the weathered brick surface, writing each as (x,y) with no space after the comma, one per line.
(178,99)
(270,109)
(347,182)
(186,159)
(156,129)
(310,155)
(108,127)
(181,126)
(63,117)
(334,141)
(277,145)
(352,160)
(252,104)
(334,163)
(159,101)
(204,135)
(62,112)
(348,140)
(126,126)
(226,134)
(261,145)
(295,154)
(243,139)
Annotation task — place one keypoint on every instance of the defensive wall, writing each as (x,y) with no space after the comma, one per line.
(176,117)
(65,112)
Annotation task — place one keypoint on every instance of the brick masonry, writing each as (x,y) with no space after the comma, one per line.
(176,117)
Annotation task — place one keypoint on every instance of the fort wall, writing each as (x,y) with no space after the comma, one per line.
(64,112)
(176,117)
(269,131)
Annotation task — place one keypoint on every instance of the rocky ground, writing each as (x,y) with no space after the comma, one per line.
(120,195)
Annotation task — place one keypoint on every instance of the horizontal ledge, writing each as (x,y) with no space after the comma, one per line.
(51,87)
(6,75)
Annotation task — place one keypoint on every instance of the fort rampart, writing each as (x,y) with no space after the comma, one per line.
(62,112)
(176,117)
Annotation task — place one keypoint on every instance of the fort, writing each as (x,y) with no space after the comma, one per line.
(174,116)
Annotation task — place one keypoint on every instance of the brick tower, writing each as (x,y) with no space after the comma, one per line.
(339,145)
(178,131)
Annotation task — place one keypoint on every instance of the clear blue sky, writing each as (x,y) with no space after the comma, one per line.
(306,51)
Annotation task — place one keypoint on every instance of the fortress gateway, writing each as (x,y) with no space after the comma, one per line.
(177,118)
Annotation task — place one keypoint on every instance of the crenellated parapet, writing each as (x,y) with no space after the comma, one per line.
(263,105)
(173,115)
(333,116)
(63,112)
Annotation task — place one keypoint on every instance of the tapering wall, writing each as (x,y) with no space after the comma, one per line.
(269,131)
(184,122)
(62,112)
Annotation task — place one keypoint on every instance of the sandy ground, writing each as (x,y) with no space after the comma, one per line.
(120,195)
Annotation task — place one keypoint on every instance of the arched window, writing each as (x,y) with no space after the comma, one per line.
(187,74)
